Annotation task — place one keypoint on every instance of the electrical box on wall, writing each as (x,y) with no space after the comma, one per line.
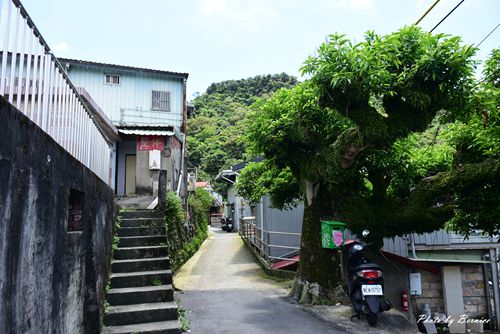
(415,284)
(154,159)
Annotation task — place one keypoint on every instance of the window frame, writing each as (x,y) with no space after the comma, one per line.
(111,75)
(164,99)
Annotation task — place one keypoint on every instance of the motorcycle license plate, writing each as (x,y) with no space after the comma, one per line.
(371,290)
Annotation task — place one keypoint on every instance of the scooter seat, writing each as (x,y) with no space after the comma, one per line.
(365,266)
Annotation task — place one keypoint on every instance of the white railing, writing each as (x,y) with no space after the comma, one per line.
(262,240)
(34,81)
(147,117)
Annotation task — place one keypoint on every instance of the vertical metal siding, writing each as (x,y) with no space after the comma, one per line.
(289,221)
(473,238)
(440,237)
(133,93)
(396,245)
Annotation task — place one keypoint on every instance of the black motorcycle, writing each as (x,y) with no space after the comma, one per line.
(366,283)
(229,225)
(223,224)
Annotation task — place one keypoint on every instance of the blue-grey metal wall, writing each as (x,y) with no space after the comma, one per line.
(133,96)
(274,220)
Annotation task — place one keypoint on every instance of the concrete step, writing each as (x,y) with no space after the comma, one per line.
(140,214)
(139,295)
(140,278)
(140,313)
(140,222)
(123,253)
(122,266)
(160,327)
(141,231)
(152,240)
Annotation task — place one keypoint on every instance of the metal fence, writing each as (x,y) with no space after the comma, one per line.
(262,240)
(33,80)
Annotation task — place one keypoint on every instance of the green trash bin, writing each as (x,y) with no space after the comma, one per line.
(332,234)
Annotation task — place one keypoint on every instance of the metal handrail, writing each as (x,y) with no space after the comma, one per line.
(285,233)
(47,96)
(249,231)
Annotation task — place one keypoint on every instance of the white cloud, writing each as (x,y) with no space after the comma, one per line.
(214,7)
(366,5)
(61,47)
(253,14)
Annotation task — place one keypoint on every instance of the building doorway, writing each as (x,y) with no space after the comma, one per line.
(130,171)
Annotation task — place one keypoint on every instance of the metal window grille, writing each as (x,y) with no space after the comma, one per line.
(112,79)
(160,101)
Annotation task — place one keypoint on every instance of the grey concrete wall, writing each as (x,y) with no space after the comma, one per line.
(172,164)
(51,280)
(144,177)
(395,278)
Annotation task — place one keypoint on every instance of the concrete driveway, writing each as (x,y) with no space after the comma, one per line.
(226,292)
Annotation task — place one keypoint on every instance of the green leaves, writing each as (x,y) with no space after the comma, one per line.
(264,178)
(376,121)
(412,73)
(215,133)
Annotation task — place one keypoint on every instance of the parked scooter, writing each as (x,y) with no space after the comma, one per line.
(223,224)
(366,283)
(229,225)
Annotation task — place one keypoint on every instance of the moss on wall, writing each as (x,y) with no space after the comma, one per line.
(186,231)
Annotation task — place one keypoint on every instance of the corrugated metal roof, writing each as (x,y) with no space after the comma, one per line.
(143,132)
(121,67)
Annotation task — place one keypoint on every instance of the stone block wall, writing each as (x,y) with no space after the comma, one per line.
(432,291)
(53,263)
(474,290)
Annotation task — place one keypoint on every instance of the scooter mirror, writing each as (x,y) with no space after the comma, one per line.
(365,233)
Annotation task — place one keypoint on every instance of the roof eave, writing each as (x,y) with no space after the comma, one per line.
(123,68)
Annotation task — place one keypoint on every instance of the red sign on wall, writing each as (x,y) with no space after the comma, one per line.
(149,143)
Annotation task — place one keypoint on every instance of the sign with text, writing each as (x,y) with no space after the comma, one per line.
(150,143)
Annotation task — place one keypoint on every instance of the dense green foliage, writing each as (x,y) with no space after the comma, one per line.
(393,134)
(200,203)
(185,237)
(174,223)
(214,132)
(244,91)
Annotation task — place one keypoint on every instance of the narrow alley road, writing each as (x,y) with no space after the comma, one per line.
(226,292)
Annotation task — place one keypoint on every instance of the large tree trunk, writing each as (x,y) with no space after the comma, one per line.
(317,264)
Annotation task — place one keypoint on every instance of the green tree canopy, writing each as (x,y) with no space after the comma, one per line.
(371,139)
(214,132)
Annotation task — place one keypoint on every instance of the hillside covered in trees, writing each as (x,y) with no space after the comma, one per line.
(215,130)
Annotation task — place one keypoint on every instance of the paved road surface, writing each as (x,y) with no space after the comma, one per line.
(226,292)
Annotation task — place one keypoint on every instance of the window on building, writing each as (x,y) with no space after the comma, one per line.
(112,79)
(160,101)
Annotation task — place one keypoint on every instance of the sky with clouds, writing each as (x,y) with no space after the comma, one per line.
(216,40)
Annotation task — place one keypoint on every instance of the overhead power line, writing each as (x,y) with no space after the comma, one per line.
(427,12)
(444,18)
(491,32)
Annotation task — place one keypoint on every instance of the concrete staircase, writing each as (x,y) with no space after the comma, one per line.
(141,296)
